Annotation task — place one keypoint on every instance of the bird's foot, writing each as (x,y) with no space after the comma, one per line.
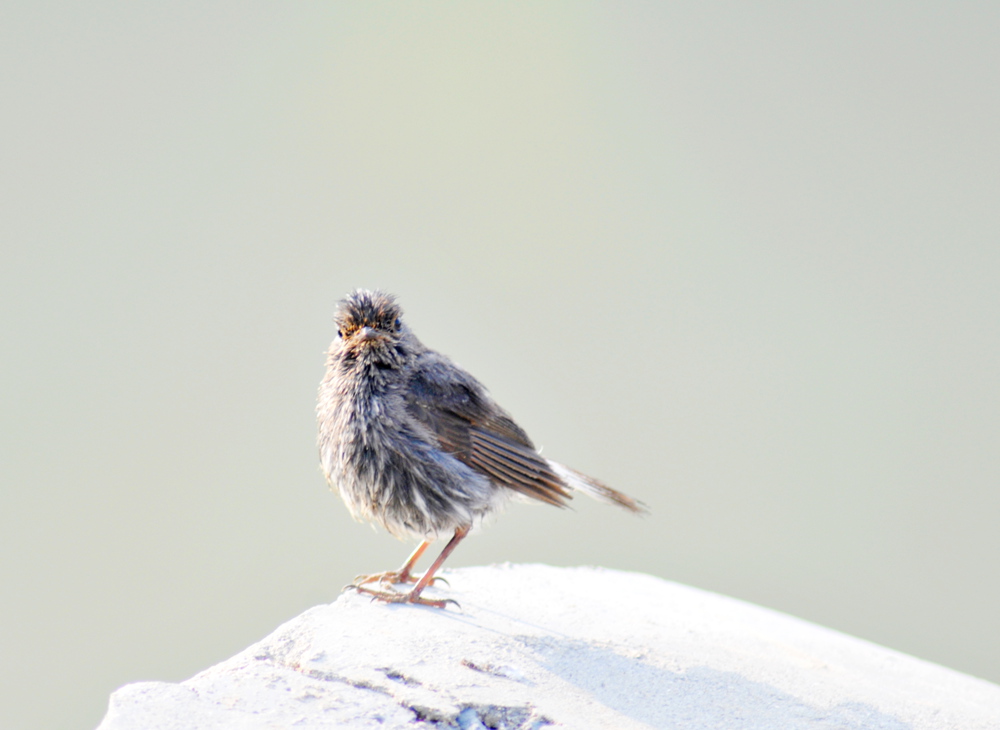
(410,597)
(392,577)
(389,577)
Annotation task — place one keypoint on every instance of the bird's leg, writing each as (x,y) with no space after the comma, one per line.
(403,575)
(425,580)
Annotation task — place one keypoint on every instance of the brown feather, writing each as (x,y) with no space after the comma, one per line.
(472,428)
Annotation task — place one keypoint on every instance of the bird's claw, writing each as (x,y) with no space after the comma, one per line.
(394,577)
(390,577)
(393,597)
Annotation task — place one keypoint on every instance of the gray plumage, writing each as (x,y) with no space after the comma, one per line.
(415,443)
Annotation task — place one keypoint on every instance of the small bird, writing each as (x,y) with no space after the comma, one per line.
(416,444)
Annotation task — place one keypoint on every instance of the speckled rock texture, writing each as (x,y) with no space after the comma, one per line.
(534,646)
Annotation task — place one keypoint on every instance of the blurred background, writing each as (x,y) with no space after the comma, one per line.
(740,262)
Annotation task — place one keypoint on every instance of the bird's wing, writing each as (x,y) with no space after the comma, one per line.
(459,412)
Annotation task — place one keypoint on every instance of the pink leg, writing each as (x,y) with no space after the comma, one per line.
(403,575)
(425,580)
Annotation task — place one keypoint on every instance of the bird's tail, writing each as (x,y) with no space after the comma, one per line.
(593,488)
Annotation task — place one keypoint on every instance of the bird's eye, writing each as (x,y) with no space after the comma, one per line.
(340,334)
(397,324)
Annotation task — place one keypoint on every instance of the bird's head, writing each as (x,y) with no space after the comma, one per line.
(370,330)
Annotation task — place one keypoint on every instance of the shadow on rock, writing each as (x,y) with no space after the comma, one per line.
(696,699)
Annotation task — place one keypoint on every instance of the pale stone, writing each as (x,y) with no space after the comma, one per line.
(533,646)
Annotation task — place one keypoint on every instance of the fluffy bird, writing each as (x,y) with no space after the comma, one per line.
(416,444)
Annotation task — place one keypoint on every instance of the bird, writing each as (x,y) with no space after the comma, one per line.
(416,444)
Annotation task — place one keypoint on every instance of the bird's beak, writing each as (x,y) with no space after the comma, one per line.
(369,334)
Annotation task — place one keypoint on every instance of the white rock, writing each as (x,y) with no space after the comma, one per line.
(573,647)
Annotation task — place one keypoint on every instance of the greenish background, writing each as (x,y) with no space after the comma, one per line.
(739,260)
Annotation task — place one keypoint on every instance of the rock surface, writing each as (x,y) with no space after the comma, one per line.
(534,646)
